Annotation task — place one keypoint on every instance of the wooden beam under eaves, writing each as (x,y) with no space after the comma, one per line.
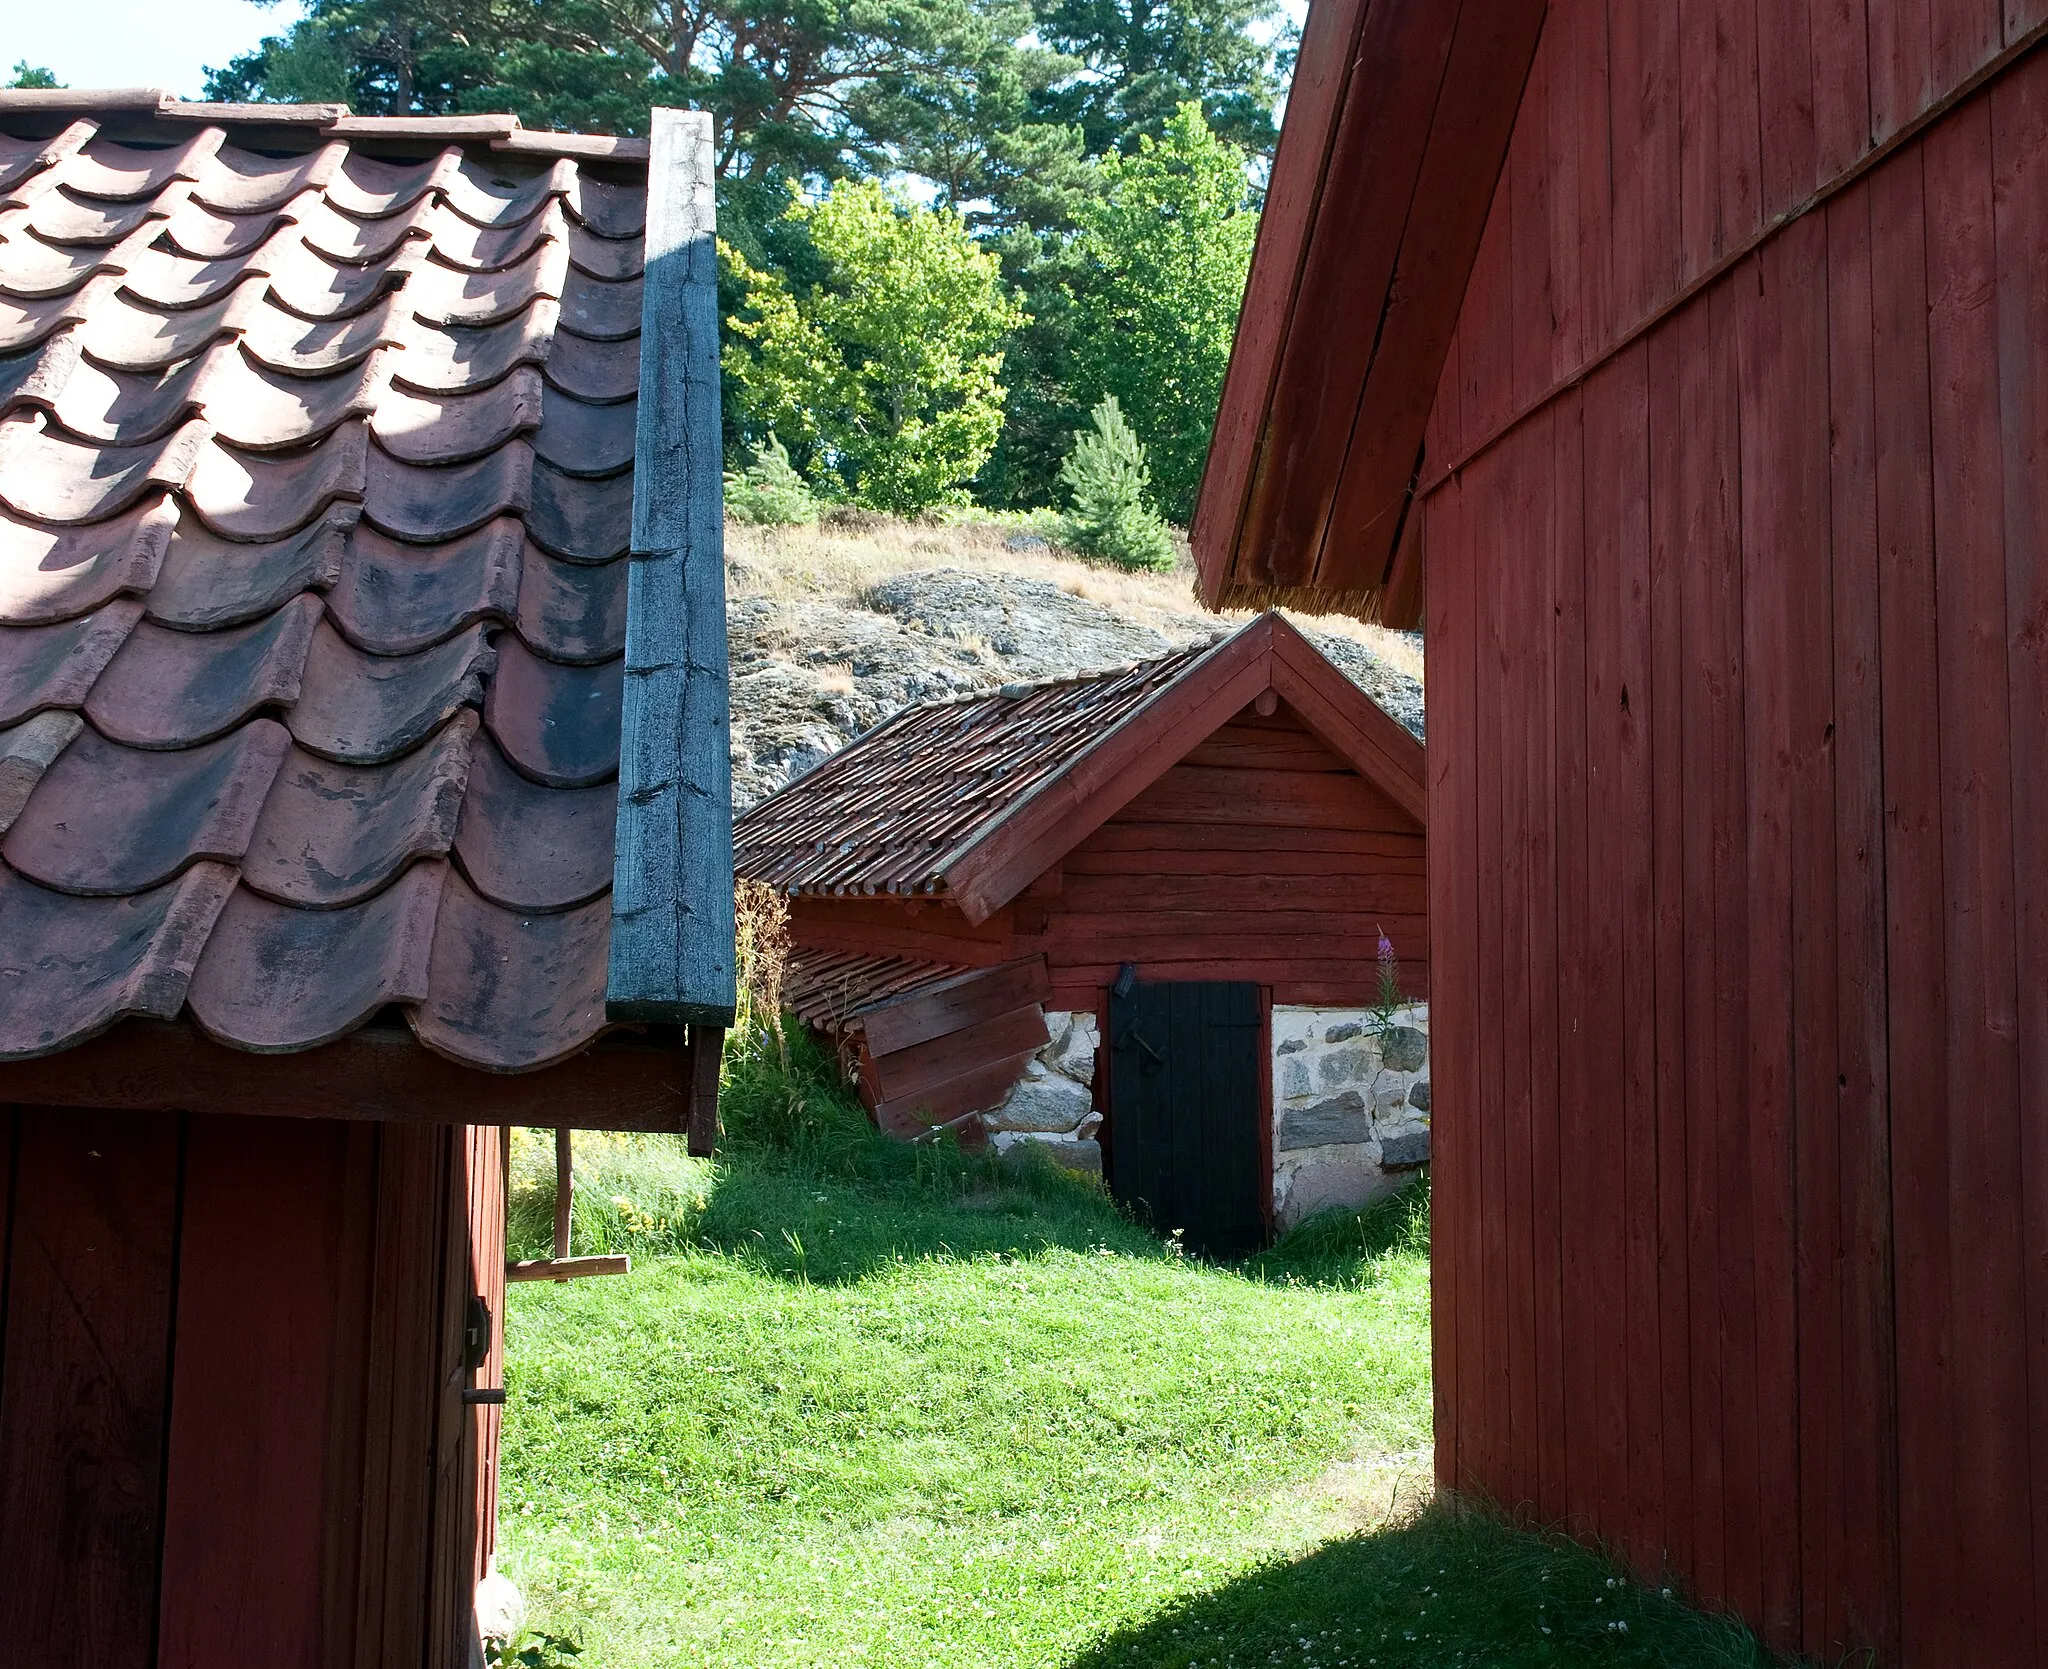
(672,900)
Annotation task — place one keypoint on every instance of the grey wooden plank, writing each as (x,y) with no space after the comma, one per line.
(672,906)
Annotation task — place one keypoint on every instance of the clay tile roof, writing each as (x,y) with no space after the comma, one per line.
(899,807)
(316,445)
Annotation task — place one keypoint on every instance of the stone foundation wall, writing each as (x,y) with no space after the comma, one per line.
(1350,1106)
(1053,1103)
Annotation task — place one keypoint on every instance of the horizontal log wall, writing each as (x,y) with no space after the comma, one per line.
(1739,682)
(1262,856)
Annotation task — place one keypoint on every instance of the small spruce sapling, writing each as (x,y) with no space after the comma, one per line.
(1107,481)
(769,492)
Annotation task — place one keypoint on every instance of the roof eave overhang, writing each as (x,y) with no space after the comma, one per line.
(1396,132)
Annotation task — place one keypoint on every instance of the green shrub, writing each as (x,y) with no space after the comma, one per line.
(1106,478)
(769,492)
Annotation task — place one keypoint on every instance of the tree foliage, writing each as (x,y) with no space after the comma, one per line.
(1166,248)
(28,76)
(885,375)
(1106,480)
(1103,152)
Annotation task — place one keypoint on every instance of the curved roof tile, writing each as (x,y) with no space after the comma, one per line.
(57,573)
(428,428)
(286,639)
(558,724)
(396,599)
(54,666)
(207,581)
(572,611)
(333,834)
(172,689)
(71,967)
(275,979)
(365,709)
(107,819)
(510,989)
(533,848)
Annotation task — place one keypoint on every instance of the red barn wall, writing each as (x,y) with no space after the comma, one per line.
(231,1427)
(1738,690)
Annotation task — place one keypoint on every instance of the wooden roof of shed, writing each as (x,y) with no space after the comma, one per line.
(974,797)
(316,448)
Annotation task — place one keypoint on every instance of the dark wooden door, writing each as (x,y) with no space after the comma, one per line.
(1185,1153)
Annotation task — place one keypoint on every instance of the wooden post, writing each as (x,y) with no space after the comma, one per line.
(672,903)
(565,1184)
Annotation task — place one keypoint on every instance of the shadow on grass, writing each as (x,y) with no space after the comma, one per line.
(1450,1587)
(807,1190)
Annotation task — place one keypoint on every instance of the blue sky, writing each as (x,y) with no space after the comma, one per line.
(135,43)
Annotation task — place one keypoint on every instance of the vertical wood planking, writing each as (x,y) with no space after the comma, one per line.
(1966,36)
(2020,141)
(1785,94)
(1576,1125)
(1610,438)
(1739,128)
(401,1392)
(1859,1509)
(246,1503)
(1526,182)
(1772,517)
(1839,39)
(1703,491)
(672,902)
(1700,234)
(1916,1000)
(90,1271)
(1455,1318)
(1558,55)
(1630,815)
(1521,551)
(1809,1328)
(1643,45)
(1995,1595)
(1539,716)
(1668,443)
(1731,815)
(1489,493)
(1901,63)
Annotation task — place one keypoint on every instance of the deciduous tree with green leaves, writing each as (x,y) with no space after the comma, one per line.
(1166,247)
(886,374)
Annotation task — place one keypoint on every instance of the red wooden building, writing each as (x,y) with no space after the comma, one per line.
(1238,818)
(317,442)
(1685,367)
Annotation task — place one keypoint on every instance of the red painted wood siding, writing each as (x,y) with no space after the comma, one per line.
(1739,736)
(1656,138)
(1261,856)
(222,1347)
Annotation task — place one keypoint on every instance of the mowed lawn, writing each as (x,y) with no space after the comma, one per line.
(862,1406)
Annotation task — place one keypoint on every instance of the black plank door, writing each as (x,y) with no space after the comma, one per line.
(1184,1102)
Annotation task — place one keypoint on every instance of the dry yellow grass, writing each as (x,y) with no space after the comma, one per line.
(843,562)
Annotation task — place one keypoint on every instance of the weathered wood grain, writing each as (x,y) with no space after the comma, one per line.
(672,909)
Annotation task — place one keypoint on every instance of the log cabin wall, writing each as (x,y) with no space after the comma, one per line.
(231,1427)
(1261,856)
(1738,695)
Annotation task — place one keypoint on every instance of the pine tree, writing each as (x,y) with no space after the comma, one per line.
(769,492)
(1106,477)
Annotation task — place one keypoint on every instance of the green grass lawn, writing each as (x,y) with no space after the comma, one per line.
(858,1405)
